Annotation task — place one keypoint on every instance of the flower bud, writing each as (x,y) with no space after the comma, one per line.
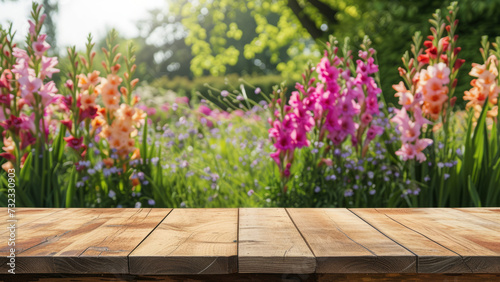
(123,90)
(134,82)
(117,57)
(453,99)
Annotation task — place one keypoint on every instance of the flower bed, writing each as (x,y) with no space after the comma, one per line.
(332,141)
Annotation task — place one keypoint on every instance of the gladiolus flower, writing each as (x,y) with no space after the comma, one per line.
(8,156)
(75,143)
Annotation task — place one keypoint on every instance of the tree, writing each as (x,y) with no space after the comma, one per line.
(280,29)
(51,8)
(296,26)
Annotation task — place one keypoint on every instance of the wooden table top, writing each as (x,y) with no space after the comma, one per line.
(254,240)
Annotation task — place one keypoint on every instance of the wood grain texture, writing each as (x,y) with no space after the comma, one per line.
(82,240)
(491,214)
(390,277)
(26,215)
(343,243)
(475,240)
(190,241)
(269,242)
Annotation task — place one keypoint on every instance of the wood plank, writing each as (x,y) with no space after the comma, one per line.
(388,277)
(431,257)
(83,240)
(343,243)
(491,214)
(269,242)
(190,241)
(475,240)
(27,215)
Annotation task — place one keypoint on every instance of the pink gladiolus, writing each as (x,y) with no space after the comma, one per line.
(204,110)
(238,113)
(29,84)
(165,107)
(48,66)
(5,99)
(40,46)
(336,105)
(366,118)
(407,151)
(373,131)
(182,100)
(151,111)
(32,28)
(276,157)
(5,79)
(20,54)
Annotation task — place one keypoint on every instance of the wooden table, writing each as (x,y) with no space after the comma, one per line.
(254,244)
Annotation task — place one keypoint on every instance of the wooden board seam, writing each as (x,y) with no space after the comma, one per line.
(238,241)
(416,257)
(303,238)
(461,257)
(128,256)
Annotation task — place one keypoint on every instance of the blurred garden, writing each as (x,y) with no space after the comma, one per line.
(289,103)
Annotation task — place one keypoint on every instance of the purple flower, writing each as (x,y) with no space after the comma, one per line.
(140,175)
(250,192)
(111,194)
(224,93)
(151,202)
(138,205)
(317,189)
(370,174)
(348,193)
(257,91)
(155,160)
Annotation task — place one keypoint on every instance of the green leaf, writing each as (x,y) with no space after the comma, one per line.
(71,191)
(473,193)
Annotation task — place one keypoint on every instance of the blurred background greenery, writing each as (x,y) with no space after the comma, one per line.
(188,43)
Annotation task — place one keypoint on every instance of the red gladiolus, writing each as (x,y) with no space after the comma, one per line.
(90,112)
(423,59)
(75,143)
(27,139)
(68,123)
(8,156)
(432,52)
(458,64)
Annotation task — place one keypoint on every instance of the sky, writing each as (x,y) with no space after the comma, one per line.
(78,18)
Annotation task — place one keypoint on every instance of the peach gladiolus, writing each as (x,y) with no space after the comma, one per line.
(432,85)
(85,81)
(8,145)
(7,166)
(87,100)
(484,86)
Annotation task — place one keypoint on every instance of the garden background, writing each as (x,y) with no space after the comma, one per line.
(196,149)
